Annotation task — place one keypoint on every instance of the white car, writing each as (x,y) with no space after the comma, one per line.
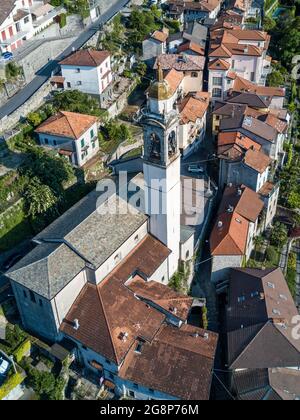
(4,365)
(196,169)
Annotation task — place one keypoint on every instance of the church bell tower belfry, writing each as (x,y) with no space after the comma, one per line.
(162,168)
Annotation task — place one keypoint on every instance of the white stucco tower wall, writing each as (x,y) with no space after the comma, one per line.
(162,168)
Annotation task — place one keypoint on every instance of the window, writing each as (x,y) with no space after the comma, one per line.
(151,391)
(241,299)
(163,279)
(54,142)
(77,70)
(68,85)
(271,285)
(84,347)
(217,93)
(82,156)
(41,303)
(232,64)
(139,347)
(25,294)
(82,143)
(131,394)
(252,76)
(32,296)
(117,258)
(136,386)
(92,133)
(217,81)
(26,19)
(187,254)
(93,145)
(136,238)
(46,141)
(79,83)
(194,74)
(107,361)
(254,294)
(111,376)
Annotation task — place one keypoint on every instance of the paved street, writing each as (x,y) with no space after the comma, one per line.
(45,73)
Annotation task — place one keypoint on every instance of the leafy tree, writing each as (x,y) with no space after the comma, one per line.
(51,170)
(279,235)
(141,69)
(269,23)
(275,79)
(76,101)
(294,200)
(34,118)
(39,198)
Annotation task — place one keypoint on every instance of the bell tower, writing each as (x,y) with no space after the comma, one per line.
(162,168)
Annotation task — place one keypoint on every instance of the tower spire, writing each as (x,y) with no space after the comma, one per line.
(160,75)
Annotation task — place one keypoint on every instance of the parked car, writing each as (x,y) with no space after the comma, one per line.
(7,56)
(12,260)
(196,169)
(4,366)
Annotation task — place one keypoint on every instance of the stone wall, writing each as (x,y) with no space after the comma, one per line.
(36,100)
(9,89)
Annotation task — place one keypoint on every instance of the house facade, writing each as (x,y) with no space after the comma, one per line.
(155,45)
(189,11)
(73,135)
(88,71)
(237,52)
(22,19)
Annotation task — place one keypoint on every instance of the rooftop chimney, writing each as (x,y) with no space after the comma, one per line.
(76,324)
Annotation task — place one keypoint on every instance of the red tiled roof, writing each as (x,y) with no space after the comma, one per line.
(86,58)
(219,64)
(116,311)
(193,107)
(257,160)
(192,46)
(177,304)
(239,207)
(160,36)
(174,78)
(67,124)
(178,362)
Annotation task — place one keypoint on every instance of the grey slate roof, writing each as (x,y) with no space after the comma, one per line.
(6,7)
(47,269)
(80,236)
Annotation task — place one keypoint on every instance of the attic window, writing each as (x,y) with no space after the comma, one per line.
(139,347)
(271,285)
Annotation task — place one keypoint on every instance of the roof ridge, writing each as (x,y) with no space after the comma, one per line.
(251,341)
(67,116)
(107,322)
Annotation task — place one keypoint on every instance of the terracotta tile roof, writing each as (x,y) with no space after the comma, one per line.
(234,145)
(192,46)
(219,64)
(116,311)
(243,85)
(177,304)
(57,79)
(174,78)
(86,58)
(239,207)
(160,36)
(245,201)
(275,122)
(67,124)
(230,238)
(266,189)
(257,160)
(180,62)
(193,107)
(184,360)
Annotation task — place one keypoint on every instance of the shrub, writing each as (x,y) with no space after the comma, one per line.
(272,255)
(11,383)
(22,350)
(62,20)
